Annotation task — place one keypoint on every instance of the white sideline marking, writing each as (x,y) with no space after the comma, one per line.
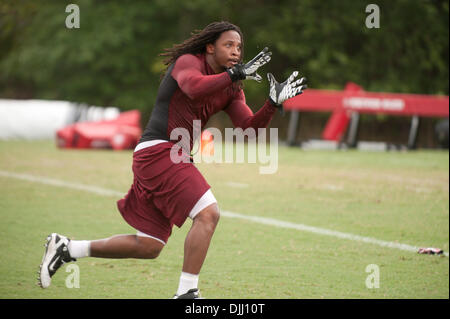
(256,219)
(237,185)
(322,231)
(56,182)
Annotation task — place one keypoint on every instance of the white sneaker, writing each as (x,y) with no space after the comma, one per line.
(56,254)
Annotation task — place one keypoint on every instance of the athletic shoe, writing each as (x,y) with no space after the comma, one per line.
(56,254)
(430,251)
(191,294)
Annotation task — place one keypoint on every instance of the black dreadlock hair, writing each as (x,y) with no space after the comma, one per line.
(199,39)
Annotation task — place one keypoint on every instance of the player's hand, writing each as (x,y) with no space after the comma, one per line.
(280,92)
(248,70)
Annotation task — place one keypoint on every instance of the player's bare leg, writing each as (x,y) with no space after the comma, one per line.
(195,249)
(60,249)
(126,246)
(198,239)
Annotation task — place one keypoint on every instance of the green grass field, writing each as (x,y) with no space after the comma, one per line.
(392,196)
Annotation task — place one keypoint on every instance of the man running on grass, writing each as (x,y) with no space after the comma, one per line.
(203,77)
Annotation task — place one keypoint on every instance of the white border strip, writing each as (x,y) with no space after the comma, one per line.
(256,219)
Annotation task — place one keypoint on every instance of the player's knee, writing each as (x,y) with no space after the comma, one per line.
(154,253)
(149,249)
(209,217)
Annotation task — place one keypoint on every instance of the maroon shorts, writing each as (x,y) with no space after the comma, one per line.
(163,192)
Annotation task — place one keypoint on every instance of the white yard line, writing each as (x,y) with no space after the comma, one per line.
(237,185)
(60,183)
(261,220)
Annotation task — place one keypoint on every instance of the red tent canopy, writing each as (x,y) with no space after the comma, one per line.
(355,99)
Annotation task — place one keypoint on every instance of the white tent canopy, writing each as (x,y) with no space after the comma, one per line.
(40,119)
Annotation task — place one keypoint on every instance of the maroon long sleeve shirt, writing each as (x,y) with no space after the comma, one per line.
(190,90)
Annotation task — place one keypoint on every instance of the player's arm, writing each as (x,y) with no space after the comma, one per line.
(193,82)
(242,116)
(187,73)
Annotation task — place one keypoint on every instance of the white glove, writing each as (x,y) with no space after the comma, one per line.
(280,92)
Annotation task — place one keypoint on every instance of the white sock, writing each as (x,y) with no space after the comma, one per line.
(187,281)
(79,248)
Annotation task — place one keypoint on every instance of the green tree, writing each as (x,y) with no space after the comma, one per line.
(112,59)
